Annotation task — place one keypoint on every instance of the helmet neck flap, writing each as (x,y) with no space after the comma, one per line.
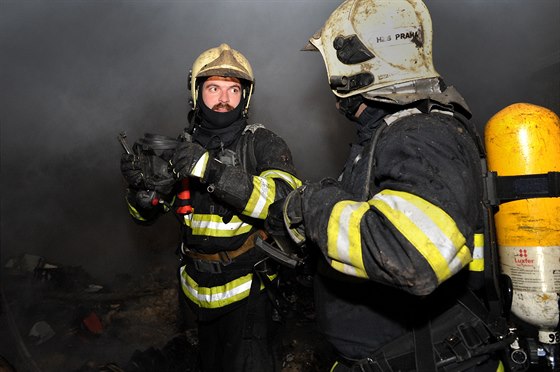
(433,89)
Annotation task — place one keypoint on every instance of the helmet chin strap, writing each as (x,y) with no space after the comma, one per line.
(348,106)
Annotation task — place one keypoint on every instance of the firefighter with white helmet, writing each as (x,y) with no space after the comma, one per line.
(228,172)
(404,221)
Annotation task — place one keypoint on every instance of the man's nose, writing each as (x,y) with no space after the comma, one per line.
(224,96)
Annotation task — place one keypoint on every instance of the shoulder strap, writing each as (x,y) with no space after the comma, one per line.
(388,121)
(246,148)
(497,286)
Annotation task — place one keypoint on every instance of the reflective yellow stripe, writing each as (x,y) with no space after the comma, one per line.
(264,192)
(213,225)
(477,264)
(262,196)
(501,367)
(134,212)
(214,297)
(344,238)
(219,296)
(334,366)
(428,228)
(200,166)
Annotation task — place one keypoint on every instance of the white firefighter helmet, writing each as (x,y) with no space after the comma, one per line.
(372,44)
(221,61)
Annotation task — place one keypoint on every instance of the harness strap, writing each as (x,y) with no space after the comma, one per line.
(510,188)
(251,308)
(260,277)
(497,286)
(225,257)
(423,347)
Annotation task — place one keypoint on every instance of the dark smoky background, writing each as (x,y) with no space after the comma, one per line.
(76,73)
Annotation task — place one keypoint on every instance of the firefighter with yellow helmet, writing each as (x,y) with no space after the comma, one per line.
(400,226)
(228,172)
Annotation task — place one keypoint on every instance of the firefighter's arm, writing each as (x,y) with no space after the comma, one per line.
(417,229)
(250,194)
(378,240)
(276,175)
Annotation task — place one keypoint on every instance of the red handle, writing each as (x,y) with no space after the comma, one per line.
(184,198)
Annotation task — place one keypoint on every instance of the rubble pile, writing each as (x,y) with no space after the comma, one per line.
(61,319)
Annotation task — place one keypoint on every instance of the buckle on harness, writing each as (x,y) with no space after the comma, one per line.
(224,258)
(212,267)
(367,365)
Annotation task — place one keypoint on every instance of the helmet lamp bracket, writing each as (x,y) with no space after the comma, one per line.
(345,84)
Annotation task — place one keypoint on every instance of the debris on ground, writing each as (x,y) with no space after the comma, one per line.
(66,321)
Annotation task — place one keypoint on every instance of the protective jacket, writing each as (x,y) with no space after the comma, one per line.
(228,209)
(402,224)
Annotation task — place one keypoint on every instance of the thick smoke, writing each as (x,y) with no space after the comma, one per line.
(75,74)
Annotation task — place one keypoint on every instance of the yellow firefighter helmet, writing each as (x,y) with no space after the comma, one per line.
(221,61)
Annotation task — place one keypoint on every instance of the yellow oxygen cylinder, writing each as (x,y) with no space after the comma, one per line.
(524,139)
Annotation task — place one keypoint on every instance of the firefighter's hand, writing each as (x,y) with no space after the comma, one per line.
(286,216)
(189,159)
(131,170)
(147,199)
(142,200)
(274,222)
(292,213)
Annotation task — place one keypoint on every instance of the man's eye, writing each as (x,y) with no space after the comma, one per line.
(235,90)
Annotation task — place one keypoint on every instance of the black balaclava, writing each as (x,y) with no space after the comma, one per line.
(219,120)
(348,106)
(219,129)
(370,118)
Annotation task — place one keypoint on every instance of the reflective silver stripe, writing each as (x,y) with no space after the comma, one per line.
(477,264)
(444,112)
(264,192)
(261,197)
(213,225)
(478,253)
(287,177)
(390,119)
(344,237)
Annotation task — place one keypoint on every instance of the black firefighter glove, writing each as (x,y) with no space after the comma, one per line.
(192,160)
(292,213)
(131,170)
(275,226)
(285,218)
(143,199)
(300,202)
(144,192)
(274,222)
(189,160)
